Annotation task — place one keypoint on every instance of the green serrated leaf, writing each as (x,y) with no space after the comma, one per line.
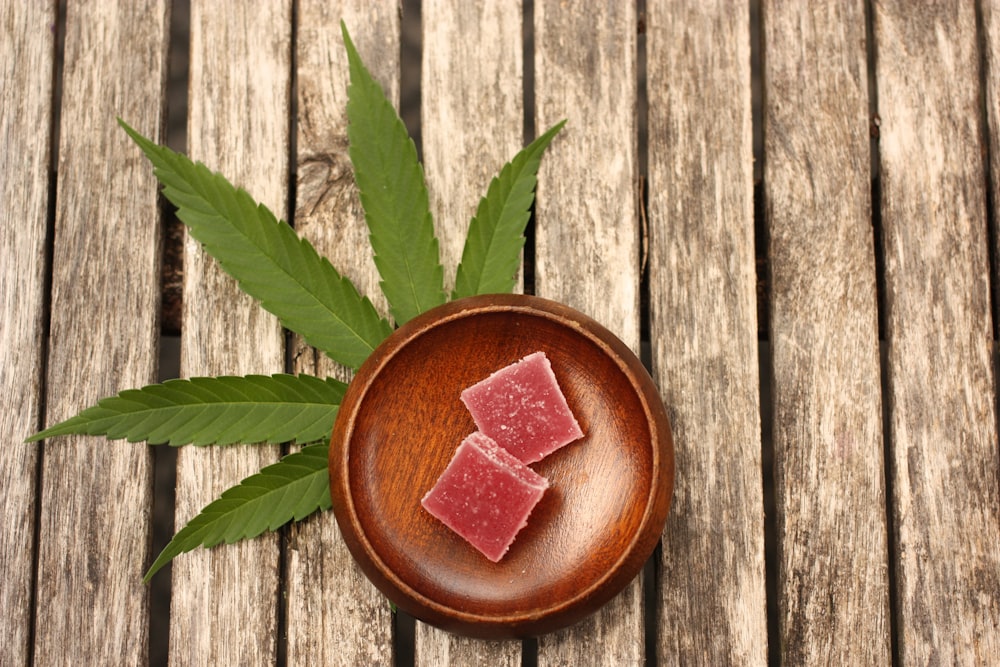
(268,259)
(289,490)
(217,410)
(492,249)
(394,195)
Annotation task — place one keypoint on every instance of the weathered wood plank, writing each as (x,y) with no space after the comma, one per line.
(587,236)
(991,70)
(436,647)
(829,474)
(224,606)
(96,498)
(335,615)
(472,110)
(27,49)
(944,458)
(703,331)
(471,123)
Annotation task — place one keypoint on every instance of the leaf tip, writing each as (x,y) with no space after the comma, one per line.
(72,426)
(348,43)
(550,133)
(163,559)
(153,569)
(129,130)
(141,141)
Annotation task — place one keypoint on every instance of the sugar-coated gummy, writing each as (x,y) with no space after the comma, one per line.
(485,495)
(522,408)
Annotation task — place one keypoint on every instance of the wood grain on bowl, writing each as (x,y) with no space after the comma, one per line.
(588,536)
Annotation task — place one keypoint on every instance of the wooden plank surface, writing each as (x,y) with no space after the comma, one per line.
(990,27)
(944,458)
(225,601)
(471,124)
(27,51)
(472,111)
(833,590)
(335,615)
(96,497)
(704,332)
(587,235)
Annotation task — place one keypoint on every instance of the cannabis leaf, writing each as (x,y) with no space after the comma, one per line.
(492,250)
(393,193)
(219,410)
(288,490)
(286,274)
(268,260)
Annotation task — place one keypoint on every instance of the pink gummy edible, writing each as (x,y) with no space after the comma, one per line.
(485,495)
(522,408)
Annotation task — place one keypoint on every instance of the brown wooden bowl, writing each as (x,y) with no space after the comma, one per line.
(401,421)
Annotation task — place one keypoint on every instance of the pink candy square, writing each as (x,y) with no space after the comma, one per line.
(485,495)
(522,408)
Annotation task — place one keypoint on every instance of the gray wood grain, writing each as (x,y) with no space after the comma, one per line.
(96,497)
(703,332)
(829,474)
(335,615)
(437,647)
(224,606)
(471,124)
(991,75)
(587,236)
(587,253)
(27,49)
(472,109)
(942,402)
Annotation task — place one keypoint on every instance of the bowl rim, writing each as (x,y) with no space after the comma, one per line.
(570,609)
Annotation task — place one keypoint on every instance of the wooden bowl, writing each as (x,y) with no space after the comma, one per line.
(401,421)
